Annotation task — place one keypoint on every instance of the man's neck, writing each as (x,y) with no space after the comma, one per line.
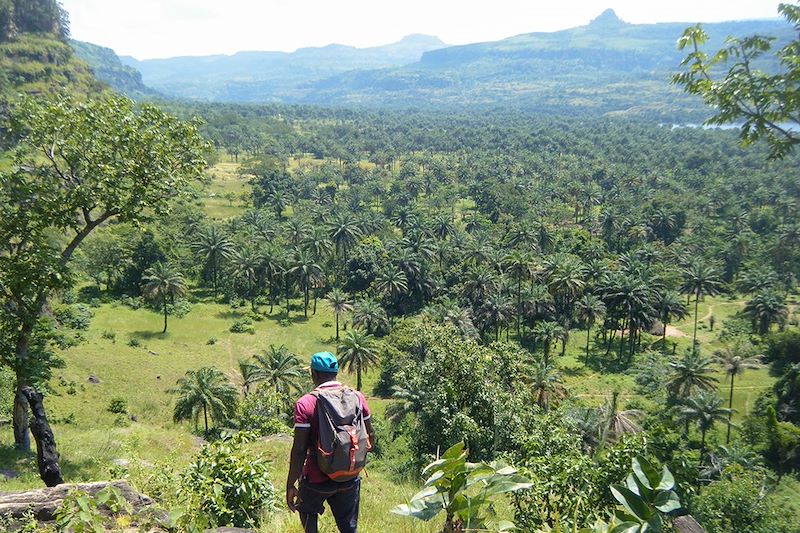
(328,383)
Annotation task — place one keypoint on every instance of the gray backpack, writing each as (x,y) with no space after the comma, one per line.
(342,442)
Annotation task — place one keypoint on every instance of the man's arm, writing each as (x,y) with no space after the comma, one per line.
(296,460)
(370,431)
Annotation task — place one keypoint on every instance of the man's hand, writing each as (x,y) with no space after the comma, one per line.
(292,498)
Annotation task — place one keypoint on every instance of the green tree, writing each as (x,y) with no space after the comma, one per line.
(246,264)
(85,163)
(357,353)
(590,308)
(765,103)
(344,232)
(706,410)
(163,283)
(339,302)
(734,361)
(547,333)
(766,309)
(520,266)
(691,374)
(205,390)
(308,271)
(669,307)
(546,385)
(699,280)
(280,368)
(369,314)
(214,246)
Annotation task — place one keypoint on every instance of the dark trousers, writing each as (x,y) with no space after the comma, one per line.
(343,499)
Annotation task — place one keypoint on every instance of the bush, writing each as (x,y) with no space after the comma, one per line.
(118,406)
(211,341)
(180,308)
(265,412)
(77,316)
(109,335)
(133,302)
(737,503)
(243,325)
(134,342)
(226,486)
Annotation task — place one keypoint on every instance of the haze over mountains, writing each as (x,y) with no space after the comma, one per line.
(607,66)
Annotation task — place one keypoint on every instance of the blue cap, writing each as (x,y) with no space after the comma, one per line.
(325,362)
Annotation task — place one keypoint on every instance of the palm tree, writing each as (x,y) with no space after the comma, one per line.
(734,361)
(700,280)
(546,386)
(765,309)
(481,281)
(496,311)
(162,282)
(547,333)
(616,422)
(519,266)
(246,265)
(705,409)
(307,270)
(408,399)
(589,308)
(339,302)
(296,231)
(280,368)
(392,283)
(669,307)
(691,374)
(205,390)
(443,227)
(272,263)
(369,314)
(344,232)
(214,246)
(357,353)
(318,243)
(249,373)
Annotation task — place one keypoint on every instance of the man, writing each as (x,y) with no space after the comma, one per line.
(315,487)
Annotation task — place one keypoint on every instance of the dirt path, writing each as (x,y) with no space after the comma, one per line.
(672,331)
(708,315)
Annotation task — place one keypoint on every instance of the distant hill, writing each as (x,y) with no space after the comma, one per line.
(271,76)
(108,68)
(608,66)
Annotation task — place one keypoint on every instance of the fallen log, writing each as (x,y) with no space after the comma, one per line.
(45,502)
(687,524)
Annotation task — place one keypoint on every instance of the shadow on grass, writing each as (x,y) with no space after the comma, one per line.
(18,464)
(149,334)
(230,314)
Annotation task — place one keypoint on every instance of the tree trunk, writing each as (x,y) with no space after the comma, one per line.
(22,439)
(588,333)
(205,417)
(702,444)
(694,335)
(358,376)
(730,406)
(165,316)
(315,302)
(46,453)
(664,337)
(337,324)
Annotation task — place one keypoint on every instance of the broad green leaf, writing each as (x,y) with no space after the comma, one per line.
(645,473)
(667,501)
(434,478)
(454,451)
(626,527)
(667,480)
(631,502)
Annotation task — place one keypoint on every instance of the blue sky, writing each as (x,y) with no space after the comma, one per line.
(165,28)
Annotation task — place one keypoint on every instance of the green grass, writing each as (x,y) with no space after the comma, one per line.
(225,179)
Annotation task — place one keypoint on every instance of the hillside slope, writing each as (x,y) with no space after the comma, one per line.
(108,68)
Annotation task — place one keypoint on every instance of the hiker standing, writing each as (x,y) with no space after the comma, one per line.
(332,435)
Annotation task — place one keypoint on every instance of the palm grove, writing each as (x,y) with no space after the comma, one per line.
(461,256)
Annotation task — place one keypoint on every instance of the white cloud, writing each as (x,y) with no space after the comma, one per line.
(164,28)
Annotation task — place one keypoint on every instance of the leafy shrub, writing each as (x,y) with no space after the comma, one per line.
(109,335)
(80,512)
(179,309)
(211,341)
(265,412)
(77,316)
(737,503)
(243,325)
(327,324)
(118,406)
(134,302)
(134,342)
(227,486)
(284,322)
